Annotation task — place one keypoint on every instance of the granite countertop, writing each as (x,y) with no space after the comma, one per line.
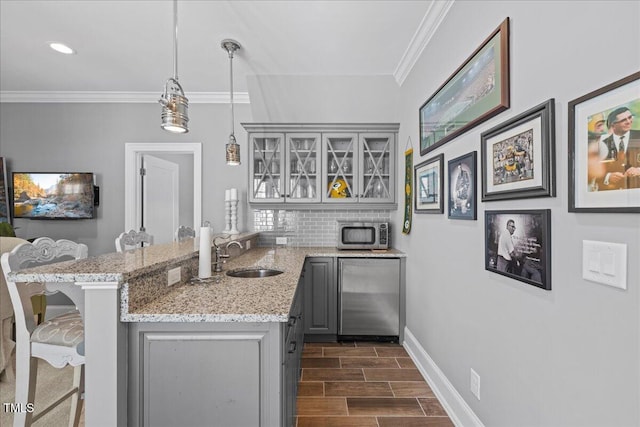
(116,266)
(224,299)
(231,299)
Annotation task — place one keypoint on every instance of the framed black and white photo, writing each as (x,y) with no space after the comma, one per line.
(518,156)
(604,148)
(462,187)
(518,245)
(429,185)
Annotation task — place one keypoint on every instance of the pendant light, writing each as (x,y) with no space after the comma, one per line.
(232,147)
(175,106)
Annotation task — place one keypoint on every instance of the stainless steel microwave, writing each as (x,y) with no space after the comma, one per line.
(363,235)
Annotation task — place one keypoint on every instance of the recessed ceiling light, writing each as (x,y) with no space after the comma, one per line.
(62,48)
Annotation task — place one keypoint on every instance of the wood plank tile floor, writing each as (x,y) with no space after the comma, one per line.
(360,384)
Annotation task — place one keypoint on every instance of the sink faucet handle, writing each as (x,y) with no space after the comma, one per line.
(219,259)
(219,253)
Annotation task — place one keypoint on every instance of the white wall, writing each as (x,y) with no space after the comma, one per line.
(91,137)
(323,99)
(565,357)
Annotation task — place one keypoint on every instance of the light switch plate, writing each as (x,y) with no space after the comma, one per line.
(605,263)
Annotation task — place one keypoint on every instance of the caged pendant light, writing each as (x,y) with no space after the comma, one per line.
(232,147)
(175,106)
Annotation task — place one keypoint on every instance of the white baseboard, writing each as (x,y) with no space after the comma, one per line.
(459,412)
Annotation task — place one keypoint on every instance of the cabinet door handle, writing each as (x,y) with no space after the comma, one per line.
(292,321)
(292,346)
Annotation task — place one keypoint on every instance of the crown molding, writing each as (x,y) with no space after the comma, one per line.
(427,28)
(116,97)
(432,19)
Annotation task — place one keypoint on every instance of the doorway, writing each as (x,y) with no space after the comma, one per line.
(160,198)
(152,201)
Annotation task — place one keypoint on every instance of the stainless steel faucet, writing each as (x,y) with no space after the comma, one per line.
(220,257)
(233,242)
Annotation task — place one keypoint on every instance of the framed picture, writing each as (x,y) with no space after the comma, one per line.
(518,245)
(4,193)
(518,156)
(429,185)
(462,187)
(476,91)
(604,148)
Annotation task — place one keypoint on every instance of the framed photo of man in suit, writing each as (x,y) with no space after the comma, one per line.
(604,148)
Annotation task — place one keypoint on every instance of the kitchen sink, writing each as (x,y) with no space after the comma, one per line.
(253,272)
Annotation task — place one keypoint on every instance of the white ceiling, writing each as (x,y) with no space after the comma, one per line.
(127,45)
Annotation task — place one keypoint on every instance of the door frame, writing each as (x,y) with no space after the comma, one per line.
(132,151)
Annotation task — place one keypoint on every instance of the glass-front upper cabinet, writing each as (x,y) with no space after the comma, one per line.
(340,167)
(377,165)
(302,183)
(267,167)
(322,165)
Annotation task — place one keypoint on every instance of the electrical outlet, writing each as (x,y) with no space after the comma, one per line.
(281,240)
(247,244)
(474,383)
(173,276)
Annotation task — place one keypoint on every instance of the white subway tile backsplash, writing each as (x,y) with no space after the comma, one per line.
(307,227)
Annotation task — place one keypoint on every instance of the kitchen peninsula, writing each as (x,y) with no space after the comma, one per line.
(189,352)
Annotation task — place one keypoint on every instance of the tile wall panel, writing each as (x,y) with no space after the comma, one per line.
(307,227)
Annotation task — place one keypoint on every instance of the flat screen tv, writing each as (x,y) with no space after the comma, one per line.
(53,195)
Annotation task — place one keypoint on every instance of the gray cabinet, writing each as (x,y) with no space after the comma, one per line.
(267,167)
(376,168)
(358,166)
(291,356)
(320,166)
(340,168)
(320,298)
(216,373)
(284,168)
(302,184)
(195,374)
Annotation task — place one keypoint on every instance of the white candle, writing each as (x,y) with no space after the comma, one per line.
(204,262)
(227,195)
(234,194)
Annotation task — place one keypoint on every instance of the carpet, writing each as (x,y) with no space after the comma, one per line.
(51,384)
